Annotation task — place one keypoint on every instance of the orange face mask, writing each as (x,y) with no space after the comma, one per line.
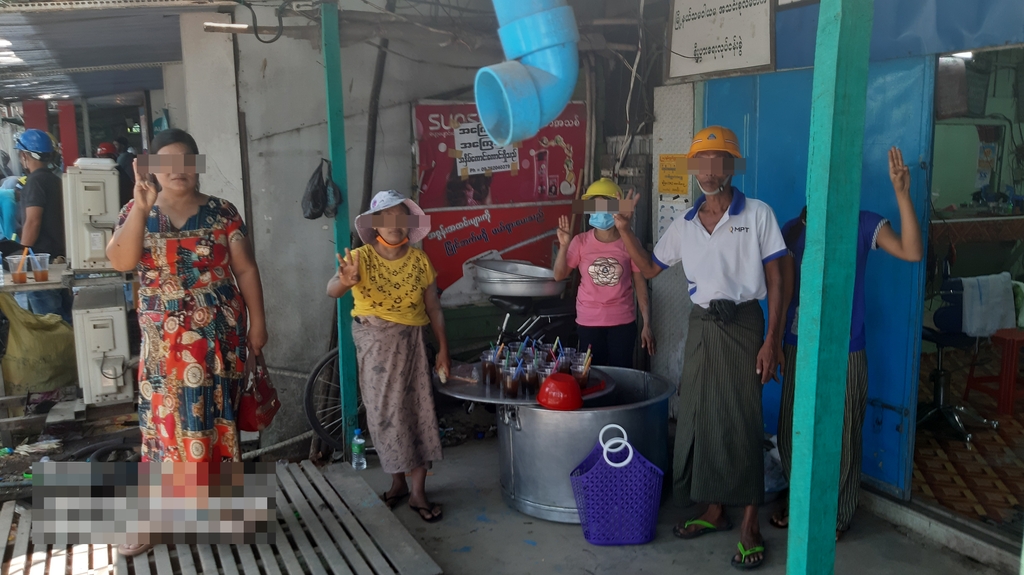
(385,243)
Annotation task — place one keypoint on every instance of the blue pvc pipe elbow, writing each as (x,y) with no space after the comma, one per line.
(518,97)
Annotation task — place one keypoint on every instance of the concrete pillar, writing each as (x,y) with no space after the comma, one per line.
(834,174)
(212,102)
(174,96)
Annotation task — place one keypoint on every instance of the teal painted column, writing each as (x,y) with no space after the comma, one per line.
(826,287)
(331,43)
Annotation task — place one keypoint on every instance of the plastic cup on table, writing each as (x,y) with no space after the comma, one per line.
(510,382)
(533,380)
(579,372)
(15,263)
(488,369)
(40,267)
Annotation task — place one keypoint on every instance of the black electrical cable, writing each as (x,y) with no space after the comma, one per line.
(280,21)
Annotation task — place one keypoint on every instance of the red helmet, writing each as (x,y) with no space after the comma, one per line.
(105,149)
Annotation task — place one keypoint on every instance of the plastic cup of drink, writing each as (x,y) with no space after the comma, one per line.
(544,350)
(510,382)
(532,381)
(488,369)
(579,372)
(40,267)
(18,277)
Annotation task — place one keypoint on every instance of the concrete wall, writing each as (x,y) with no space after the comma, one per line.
(158,103)
(281,88)
(670,301)
(174,96)
(212,103)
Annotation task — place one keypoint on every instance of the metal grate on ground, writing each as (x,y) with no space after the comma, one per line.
(329,521)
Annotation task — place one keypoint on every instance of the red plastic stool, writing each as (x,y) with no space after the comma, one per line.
(1010,341)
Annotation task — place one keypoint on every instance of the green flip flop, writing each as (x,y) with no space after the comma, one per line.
(706,527)
(744,553)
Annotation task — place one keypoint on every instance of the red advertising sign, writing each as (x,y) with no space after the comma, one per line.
(466,169)
(489,202)
(519,232)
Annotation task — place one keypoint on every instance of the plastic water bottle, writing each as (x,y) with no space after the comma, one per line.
(358,451)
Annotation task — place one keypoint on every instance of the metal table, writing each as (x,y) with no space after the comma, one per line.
(464,383)
(54,282)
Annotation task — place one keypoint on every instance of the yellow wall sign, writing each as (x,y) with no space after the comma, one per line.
(672,175)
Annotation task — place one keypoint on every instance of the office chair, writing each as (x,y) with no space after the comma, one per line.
(948,332)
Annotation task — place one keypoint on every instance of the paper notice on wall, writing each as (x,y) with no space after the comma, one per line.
(715,36)
(672,175)
(670,207)
(986,163)
(476,153)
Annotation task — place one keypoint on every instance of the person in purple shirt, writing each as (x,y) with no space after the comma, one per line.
(874,232)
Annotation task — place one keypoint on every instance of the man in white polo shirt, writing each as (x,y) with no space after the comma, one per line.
(730,247)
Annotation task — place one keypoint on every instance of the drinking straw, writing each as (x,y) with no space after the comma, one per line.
(35,258)
(519,369)
(21,263)
(558,344)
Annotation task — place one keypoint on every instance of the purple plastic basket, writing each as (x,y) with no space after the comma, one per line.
(617,506)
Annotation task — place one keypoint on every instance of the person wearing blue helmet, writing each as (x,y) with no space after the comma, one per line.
(41,217)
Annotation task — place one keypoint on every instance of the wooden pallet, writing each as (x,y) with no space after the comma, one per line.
(329,521)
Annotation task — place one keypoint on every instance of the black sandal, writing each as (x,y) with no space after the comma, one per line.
(779,521)
(393,500)
(430,511)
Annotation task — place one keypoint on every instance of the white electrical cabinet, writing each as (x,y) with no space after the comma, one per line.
(91,207)
(101,344)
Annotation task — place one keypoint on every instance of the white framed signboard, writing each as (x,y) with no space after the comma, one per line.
(721,37)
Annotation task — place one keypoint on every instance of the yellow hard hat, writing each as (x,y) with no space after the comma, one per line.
(715,139)
(603,188)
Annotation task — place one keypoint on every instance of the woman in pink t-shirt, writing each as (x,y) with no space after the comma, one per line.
(605,305)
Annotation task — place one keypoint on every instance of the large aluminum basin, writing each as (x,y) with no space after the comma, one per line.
(541,447)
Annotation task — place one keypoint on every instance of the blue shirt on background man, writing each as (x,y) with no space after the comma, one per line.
(867,240)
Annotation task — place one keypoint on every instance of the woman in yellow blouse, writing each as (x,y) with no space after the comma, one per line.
(393,285)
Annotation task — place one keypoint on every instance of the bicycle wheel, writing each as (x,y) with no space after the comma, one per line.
(322,402)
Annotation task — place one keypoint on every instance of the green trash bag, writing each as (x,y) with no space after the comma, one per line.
(40,351)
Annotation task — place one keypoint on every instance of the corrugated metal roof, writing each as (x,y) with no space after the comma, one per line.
(84,38)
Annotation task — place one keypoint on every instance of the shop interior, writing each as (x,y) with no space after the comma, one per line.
(976,229)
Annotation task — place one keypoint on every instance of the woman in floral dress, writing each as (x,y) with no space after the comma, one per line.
(200,305)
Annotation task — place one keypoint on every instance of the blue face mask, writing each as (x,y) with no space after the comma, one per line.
(603,221)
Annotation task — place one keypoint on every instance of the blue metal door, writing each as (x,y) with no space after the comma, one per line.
(771,113)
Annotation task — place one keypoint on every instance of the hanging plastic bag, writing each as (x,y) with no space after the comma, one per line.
(322,196)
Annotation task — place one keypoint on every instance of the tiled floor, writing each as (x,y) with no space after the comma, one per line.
(984,481)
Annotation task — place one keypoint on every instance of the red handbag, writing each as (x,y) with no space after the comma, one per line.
(258,402)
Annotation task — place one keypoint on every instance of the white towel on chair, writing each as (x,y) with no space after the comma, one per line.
(988,304)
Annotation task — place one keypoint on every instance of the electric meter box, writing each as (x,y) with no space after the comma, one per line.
(101,344)
(91,208)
